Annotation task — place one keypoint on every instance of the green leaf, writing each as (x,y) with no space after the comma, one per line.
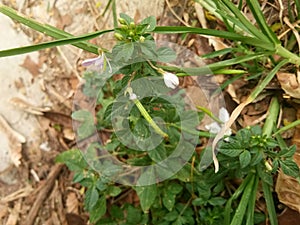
(94,197)
(288,152)
(245,158)
(106,221)
(171,216)
(184,174)
(147,196)
(169,200)
(133,215)
(174,188)
(87,127)
(230,149)
(113,191)
(264,175)
(289,167)
(73,159)
(127,18)
(257,158)
(217,201)
(116,212)
(158,154)
(165,54)
(169,195)
(148,49)
(98,210)
(150,21)
(123,51)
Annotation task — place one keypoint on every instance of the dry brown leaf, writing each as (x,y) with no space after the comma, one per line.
(31,66)
(288,217)
(14,213)
(27,107)
(72,203)
(21,193)
(216,42)
(289,83)
(74,219)
(3,210)
(15,141)
(288,188)
(288,191)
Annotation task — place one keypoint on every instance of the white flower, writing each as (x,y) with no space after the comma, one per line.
(170,79)
(132,96)
(215,127)
(98,62)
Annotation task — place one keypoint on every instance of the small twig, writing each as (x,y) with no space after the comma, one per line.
(43,194)
(69,64)
(174,13)
(281,8)
(286,20)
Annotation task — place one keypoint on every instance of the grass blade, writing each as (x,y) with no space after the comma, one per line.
(71,40)
(236,194)
(45,29)
(270,203)
(217,33)
(271,120)
(251,203)
(242,19)
(260,19)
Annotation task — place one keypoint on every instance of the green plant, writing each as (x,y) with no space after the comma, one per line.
(185,189)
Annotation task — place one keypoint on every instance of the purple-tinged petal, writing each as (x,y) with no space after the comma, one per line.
(91,61)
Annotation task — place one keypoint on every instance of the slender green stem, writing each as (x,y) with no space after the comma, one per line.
(195,132)
(287,127)
(293,58)
(115,16)
(209,113)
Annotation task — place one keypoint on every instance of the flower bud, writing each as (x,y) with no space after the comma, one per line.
(124,27)
(119,36)
(132,25)
(122,21)
(170,79)
(142,39)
